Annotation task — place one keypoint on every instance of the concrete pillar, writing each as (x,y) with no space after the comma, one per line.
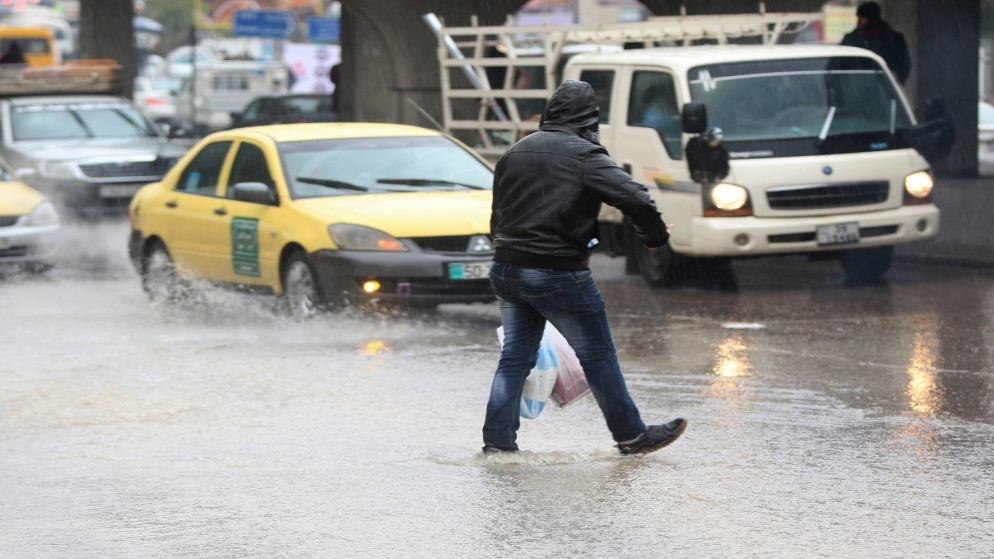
(944,39)
(389,67)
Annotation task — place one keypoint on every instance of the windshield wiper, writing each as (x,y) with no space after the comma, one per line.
(136,125)
(428,182)
(82,124)
(828,124)
(333,184)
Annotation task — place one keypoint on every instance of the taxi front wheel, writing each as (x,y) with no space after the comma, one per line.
(301,290)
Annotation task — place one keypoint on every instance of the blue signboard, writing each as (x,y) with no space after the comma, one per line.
(324,29)
(268,24)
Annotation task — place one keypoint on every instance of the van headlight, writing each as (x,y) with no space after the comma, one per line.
(729,197)
(359,237)
(918,187)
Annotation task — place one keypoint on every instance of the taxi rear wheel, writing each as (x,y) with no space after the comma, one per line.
(159,278)
(301,290)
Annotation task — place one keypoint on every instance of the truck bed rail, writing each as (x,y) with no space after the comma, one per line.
(495,79)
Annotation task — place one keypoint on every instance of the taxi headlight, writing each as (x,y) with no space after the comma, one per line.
(728,197)
(43,214)
(57,170)
(359,237)
(919,184)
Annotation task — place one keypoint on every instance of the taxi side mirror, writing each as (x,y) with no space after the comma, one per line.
(256,192)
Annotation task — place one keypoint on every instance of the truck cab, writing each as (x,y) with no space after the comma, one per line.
(816,136)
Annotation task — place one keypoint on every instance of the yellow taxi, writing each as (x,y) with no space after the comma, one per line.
(323,214)
(29,226)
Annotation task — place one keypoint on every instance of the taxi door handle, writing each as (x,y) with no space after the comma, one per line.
(172,204)
(220,211)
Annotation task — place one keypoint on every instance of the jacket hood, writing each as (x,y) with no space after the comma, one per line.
(574,105)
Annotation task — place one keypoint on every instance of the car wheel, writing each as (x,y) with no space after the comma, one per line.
(301,290)
(661,267)
(159,278)
(864,265)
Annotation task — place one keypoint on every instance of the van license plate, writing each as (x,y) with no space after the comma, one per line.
(469,270)
(839,233)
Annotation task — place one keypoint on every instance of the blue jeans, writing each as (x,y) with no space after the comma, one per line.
(573,304)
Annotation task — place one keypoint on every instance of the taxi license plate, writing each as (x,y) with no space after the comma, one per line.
(118,190)
(838,233)
(469,270)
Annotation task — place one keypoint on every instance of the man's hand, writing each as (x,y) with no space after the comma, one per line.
(669,229)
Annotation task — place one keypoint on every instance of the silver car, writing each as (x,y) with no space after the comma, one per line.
(88,153)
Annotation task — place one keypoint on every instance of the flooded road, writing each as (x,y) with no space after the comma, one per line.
(826,420)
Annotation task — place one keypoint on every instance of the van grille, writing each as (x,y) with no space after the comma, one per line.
(827,195)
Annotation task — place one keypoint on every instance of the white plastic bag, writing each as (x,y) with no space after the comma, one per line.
(571,382)
(557,375)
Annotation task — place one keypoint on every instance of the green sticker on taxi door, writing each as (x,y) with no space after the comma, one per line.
(245,246)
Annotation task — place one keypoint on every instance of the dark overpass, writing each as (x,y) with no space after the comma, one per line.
(389,66)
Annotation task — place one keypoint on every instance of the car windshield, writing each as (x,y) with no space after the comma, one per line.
(58,121)
(783,99)
(352,166)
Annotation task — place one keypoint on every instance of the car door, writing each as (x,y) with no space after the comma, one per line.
(247,239)
(189,211)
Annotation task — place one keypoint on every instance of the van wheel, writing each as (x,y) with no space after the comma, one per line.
(159,278)
(864,265)
(661,267)
(301,290)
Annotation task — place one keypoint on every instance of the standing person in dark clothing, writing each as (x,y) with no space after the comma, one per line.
(14,54)
(875,34)
(548,190)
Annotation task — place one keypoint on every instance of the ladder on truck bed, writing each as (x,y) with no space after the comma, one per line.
(492,116)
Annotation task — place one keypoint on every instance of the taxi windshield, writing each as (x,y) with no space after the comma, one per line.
(60,121)
(351,166)
(782,99)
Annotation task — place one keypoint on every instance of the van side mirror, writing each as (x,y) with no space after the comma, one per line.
(934,134)
(694,118)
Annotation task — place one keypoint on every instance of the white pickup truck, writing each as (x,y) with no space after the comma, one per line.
(810,146)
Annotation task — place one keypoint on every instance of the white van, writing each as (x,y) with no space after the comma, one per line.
(808,147)
(819,160)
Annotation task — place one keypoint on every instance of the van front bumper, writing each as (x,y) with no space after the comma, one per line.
(748,236)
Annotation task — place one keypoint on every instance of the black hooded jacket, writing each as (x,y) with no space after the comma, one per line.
(549,186)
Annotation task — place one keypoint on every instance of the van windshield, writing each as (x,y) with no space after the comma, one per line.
(836,104)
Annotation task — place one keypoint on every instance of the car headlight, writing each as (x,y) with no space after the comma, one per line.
(919,185)
(729,197)
(57,170)
(360,237)
(43,214)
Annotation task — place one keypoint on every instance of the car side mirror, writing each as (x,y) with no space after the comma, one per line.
(694,118)
(256,192)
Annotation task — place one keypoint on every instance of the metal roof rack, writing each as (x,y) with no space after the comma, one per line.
(465,54)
